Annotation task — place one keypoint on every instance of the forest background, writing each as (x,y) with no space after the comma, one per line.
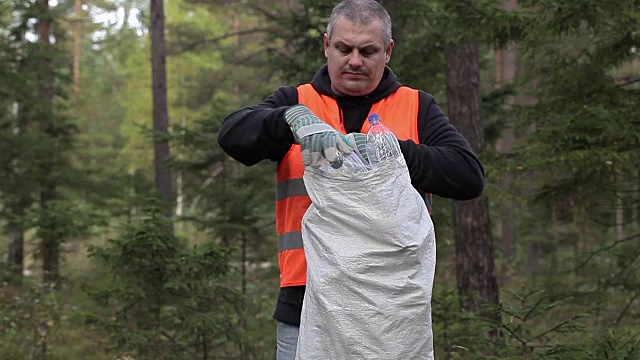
(127,233)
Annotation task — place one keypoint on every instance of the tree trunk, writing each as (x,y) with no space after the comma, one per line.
(619,218)
(505,225)
(50,245)
(44,33)
(161,151)
(475,267)
(619,206)
(16,249)
(506,72)
(77,45)
(635,196)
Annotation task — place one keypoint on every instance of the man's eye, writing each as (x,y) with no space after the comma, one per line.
(344,50)
(368,52)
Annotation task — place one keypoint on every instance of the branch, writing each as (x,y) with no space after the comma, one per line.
(619,319)
(193,45)
(533,308)
(301,11)
(168,336)
(558,326)
(245,59)
(603,249)
(266,13)
(512,332)
(625,267)
(206,183)
(628,82)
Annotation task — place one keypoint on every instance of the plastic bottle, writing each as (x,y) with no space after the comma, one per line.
(351,164)
(382,144)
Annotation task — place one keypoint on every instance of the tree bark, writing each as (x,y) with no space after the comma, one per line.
(161,150)
(475,266)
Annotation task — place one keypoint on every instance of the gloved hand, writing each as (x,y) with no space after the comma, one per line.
(317,139)
(359,142)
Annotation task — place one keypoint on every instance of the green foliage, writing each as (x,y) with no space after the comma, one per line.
(20,156)
(162,298)
(37,138)
(29,314)
(578,153)
(611,345)
(523,316)
(586,124)
(452,330)
(533,326)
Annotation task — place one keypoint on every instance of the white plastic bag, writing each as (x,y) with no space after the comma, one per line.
(370,248)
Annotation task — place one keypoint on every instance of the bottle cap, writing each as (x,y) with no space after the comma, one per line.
(374,119)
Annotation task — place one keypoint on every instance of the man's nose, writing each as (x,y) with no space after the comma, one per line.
(355,60)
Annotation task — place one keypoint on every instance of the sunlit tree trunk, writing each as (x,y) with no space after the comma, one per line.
(161,150)
(180,177)
(15,229)
(475,267)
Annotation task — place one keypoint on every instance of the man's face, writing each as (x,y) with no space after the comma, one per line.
(356,57)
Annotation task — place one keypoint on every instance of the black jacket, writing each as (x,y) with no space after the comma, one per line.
(442,164)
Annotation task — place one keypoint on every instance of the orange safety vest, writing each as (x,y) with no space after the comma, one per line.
(398,111)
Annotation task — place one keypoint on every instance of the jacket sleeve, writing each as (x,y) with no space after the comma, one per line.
(259,132)
(443,163)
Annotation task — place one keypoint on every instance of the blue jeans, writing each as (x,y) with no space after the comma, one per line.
(287,341)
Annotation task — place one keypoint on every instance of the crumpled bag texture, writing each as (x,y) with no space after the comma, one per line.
(370,248)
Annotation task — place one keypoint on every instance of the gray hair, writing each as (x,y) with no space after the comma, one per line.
(361,12)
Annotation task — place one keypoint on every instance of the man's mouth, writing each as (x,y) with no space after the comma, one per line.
(354,74)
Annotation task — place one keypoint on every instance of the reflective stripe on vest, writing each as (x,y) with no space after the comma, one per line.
(398,111)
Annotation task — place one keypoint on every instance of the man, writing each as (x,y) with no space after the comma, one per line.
(307,124)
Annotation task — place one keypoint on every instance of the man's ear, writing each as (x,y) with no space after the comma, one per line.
(389,50)
(325,42)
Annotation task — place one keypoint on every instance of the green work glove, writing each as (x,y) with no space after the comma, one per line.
(318,141)
(359,142)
